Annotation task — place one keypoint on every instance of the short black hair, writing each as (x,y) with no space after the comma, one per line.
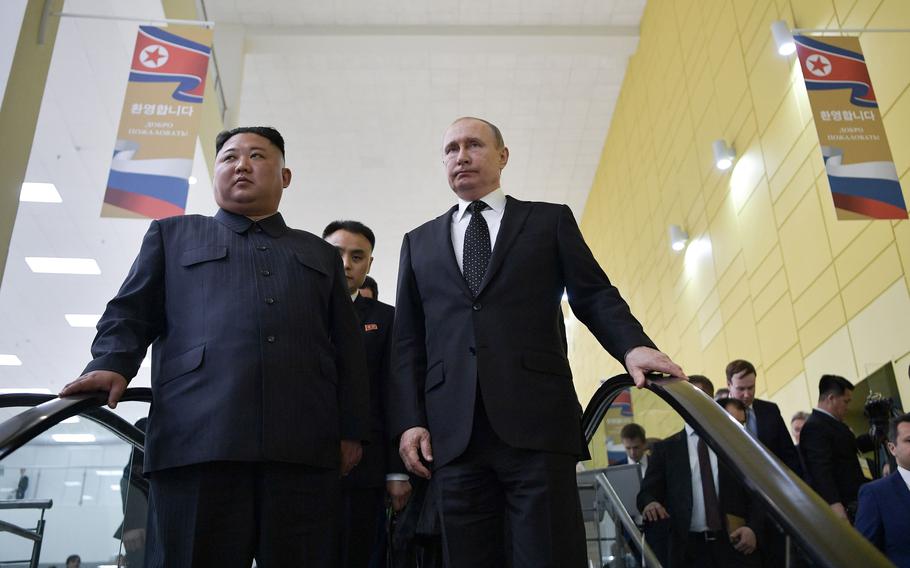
(267,132)
(833,385)
(738,366)
(355,227)
(633,431)
(892,428)
(726,401)
(704,382)
(370,283)
(497,134)
(721,393)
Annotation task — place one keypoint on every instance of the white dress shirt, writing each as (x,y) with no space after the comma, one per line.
(496,201)
(643,463)
(698,523)
(905,474)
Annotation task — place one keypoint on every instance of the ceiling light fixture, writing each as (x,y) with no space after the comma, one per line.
(73,438)
(783,37)
(9,360)
(723,154)
(53,265)
(678,238)
(40,193)
(192,180)
(82,320)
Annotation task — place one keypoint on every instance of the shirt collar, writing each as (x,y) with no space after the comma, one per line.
(273,225)
(495,200)
(905,473)
(355,295)
(690,430)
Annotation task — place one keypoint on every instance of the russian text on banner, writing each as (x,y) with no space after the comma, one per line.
(156,141)
(861,172)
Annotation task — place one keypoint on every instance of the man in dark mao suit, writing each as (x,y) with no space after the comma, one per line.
(482,388)
(259,381)
(380,472)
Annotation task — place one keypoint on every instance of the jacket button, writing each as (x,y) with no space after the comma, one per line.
(262,247)
(270,339)
(477,307)
(472,351)
(270,301)
(266,273)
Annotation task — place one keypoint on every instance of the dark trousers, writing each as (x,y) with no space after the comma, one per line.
(706,553)
(225,514)
(508,507)
(359,529)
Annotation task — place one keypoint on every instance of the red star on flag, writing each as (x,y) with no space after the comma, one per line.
(153,55)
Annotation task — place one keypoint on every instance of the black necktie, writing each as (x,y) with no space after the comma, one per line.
(477,249)
(712,506)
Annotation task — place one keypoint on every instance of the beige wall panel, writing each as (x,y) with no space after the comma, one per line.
(896,128)
(781,135)
(812,13)
(760,277)
(793,397)
(875,279)
(859,14)
(880,332)
(776,331)
(840,233)
(823,290)
(769,81)
(741,335)
(862,251)
(783,370)
(834,356)
(776,289)
(756,228)
(822,325)
(799,184)
(804,245)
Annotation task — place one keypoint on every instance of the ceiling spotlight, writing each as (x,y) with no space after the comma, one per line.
(192,180)
(678,238)
(782,37)
(723,155)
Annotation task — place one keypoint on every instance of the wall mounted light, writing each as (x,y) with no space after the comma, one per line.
(678,238)
(723,155)
(783,37)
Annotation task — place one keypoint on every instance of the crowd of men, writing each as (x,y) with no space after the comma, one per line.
(704,517)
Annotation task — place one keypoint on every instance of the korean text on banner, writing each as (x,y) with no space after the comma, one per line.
(858,161)
(156,141)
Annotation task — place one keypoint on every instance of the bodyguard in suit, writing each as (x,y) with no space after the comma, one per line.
(829,450)
(701,516)
(380,471)
(259,382)
(883,516)
(763,418)
(481,383)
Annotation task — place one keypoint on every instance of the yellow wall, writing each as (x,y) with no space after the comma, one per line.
(771,276)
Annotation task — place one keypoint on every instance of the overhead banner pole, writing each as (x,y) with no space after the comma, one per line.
(861,172)
(159,123)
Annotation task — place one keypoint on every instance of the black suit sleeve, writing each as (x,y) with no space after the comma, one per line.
(393,460)
(654,484)
(816,444)
(595,301)
(135,317)
(782,444)
(350,360)
(409,364)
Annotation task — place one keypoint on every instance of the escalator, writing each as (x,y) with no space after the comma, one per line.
(811,533)
(82,461)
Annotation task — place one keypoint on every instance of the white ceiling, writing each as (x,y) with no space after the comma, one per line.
(362,91)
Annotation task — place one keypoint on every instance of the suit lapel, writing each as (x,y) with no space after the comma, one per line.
(900,490)
(513,219)
(362,307)
(683,474)
(442,231)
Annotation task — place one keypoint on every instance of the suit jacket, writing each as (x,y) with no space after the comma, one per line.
(883,517)
(829,451)
(507,340)
(379,456)
(669,482)
(256,350)
(773,433)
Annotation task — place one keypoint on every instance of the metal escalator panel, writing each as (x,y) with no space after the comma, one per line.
(70,484)
(791,524)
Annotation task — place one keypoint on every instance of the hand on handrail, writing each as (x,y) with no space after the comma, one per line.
(108,381)
(642,360)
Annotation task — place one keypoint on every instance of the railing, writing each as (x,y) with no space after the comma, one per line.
(648,557)
(803,515)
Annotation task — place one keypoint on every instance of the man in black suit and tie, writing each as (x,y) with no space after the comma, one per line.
(380,471)
(259,377)
(707,518)
(763,419)
(481,382)
(829,448)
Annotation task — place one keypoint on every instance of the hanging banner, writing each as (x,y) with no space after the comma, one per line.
(858,161)
(156,141)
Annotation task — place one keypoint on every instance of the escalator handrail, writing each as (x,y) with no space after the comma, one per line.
(805,516)
(647,555)
(48,411)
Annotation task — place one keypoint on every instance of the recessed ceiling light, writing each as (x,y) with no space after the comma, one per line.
(40,193)
(115,487)
(51,265)
(73,438)
(72,483)
(82,320)
(10,360)
(25,390)
(71,420)
(109,472)
(192,180)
